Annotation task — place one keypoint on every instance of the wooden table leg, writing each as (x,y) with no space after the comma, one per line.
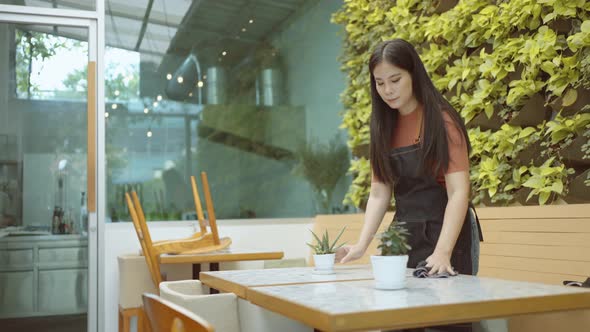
(196,271)
(213,267)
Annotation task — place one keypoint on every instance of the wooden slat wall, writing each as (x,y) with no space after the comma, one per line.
(545,244)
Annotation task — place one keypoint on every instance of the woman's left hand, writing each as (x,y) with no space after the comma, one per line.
(439,263)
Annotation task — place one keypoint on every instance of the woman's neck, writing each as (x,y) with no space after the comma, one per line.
(410,107)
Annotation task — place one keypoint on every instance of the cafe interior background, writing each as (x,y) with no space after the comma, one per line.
(250,91)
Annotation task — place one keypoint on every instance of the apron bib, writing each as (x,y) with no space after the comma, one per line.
(421,202)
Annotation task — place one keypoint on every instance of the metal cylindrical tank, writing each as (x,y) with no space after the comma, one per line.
(270,87)
(215,86)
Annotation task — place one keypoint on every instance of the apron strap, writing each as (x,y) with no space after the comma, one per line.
(476,221)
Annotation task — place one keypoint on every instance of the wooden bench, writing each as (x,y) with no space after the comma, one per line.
(545,244)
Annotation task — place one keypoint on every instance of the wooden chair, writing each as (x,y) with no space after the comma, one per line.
(165,316)
(200,242)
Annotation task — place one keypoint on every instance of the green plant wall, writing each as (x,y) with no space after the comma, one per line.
(518,71)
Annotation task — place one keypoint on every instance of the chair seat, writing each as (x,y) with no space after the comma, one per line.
(226,311)
(221,310)
(165,316)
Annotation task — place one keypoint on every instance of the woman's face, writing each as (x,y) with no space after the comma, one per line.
(394,85)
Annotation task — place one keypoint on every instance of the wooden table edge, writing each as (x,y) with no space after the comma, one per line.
(222,285)
(219,258)
(429,316)
(241,291)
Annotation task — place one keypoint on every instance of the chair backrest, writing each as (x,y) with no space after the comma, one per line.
(210,208)
(198,206)
(221,310)
(165,316)
(143,234)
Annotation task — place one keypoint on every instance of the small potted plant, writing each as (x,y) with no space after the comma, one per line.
(324,252)
(389,269)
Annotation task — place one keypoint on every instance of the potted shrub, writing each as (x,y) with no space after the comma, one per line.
(389,269)
(324,252)
(323,165)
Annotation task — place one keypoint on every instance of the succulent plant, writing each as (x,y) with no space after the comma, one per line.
(394,240)
(323,245)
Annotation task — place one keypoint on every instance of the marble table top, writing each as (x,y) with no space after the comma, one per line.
(237,281)
(350,305)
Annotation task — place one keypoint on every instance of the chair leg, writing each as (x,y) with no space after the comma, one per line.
(125,316)
(142,322)
(121,320)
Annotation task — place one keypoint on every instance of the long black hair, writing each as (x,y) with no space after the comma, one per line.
(435,152)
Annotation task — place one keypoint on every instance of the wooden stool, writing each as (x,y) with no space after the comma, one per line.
(134,280)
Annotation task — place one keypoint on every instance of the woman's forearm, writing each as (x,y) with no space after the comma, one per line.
(453,222)
(379,200)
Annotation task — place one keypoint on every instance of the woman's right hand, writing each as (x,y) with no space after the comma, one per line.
(349,253)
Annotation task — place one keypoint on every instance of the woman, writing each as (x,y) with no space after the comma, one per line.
(419,148)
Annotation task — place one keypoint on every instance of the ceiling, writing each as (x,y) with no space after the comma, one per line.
(159,27)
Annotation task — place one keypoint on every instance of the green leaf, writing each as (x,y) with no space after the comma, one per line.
(557,187)
(316,237)
(526,132)
(549,17)
(531,194)
(543,197)
(337,238)
(548,171)
(570,97)
(492,191)
(533,182)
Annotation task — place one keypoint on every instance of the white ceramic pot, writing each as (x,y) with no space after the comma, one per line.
(389,271)
(324,263)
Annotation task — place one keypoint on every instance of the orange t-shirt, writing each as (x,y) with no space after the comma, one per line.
(406,133)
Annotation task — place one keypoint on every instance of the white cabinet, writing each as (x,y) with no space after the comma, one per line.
(43,275)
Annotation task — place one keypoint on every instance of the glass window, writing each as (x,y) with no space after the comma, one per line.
(247,91)
(63,4)
(43,179)
(41,56)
